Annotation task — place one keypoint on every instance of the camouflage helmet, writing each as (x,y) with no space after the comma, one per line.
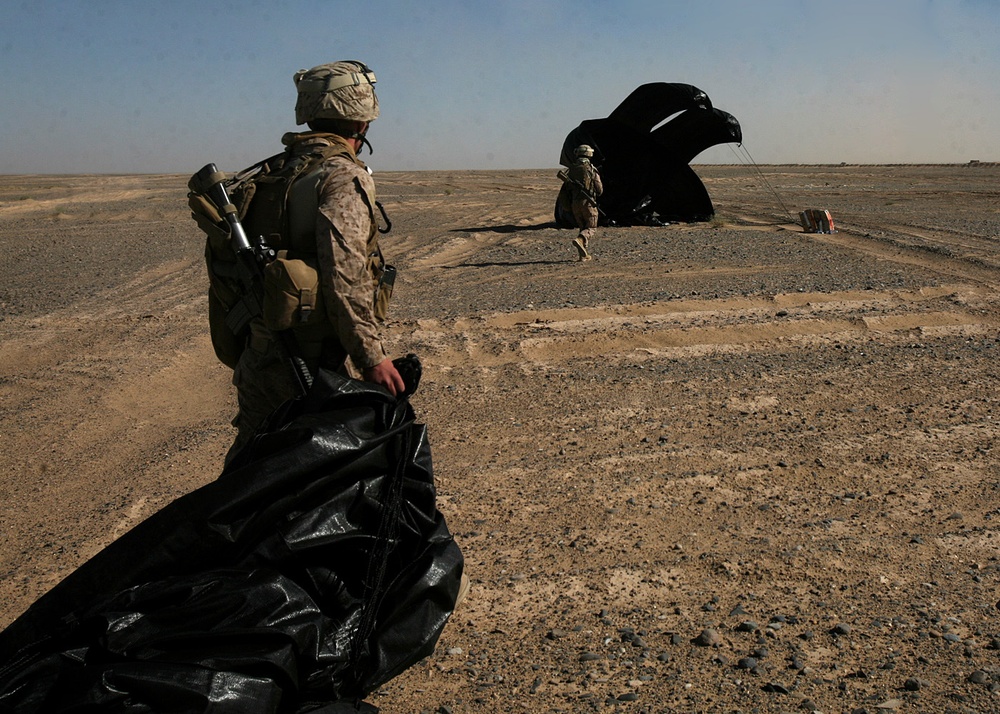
(337,90)
(583,150)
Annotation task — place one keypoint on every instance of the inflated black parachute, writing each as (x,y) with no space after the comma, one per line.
(643,150)
(313,570)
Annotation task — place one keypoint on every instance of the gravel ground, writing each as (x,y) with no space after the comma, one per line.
(724,467)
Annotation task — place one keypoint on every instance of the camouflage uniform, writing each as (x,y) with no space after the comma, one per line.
(584,210)
(331,216)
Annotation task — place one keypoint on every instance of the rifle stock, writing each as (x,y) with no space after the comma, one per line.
(250,261)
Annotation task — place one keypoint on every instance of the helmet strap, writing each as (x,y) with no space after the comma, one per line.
(359,136)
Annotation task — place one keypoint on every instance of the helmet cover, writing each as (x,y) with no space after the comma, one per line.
(337,90)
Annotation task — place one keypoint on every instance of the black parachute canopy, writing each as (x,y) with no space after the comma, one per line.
(643,150)
(313,570)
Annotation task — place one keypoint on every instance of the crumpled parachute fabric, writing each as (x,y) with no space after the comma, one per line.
(643,150)
(313,570)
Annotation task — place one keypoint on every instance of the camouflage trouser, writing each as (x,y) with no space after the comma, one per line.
(585,214)
(264,381)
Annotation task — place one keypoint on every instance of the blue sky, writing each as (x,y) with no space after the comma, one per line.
(137,86)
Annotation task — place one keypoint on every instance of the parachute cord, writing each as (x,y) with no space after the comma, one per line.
(762,177)
(387,536)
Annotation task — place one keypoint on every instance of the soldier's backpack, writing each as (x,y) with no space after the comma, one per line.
(260,195)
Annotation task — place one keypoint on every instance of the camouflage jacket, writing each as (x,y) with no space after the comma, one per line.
(584,174)
(346,239)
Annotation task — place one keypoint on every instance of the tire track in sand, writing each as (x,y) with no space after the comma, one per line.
(699,327)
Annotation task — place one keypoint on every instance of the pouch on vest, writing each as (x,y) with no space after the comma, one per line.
(384,277)
(291,293)
(383,293)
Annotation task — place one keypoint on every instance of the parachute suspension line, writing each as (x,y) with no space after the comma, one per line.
(762,177)
(387,536)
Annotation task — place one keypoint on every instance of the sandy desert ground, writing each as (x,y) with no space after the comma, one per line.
(724,467)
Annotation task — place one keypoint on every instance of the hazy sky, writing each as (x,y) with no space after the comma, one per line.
(158,86)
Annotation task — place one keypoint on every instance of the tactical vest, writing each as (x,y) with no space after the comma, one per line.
(583,172)
(278,200)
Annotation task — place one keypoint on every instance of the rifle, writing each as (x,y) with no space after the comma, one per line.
(564,175)
(251,258)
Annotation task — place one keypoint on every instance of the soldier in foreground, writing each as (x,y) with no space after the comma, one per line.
(586,187)
(328,219)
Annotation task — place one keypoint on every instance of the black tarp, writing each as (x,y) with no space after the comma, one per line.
(313,570)
(643,150)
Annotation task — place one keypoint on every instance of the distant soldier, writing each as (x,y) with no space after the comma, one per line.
(585,187)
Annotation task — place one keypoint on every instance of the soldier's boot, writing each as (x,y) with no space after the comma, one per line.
(581,249)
